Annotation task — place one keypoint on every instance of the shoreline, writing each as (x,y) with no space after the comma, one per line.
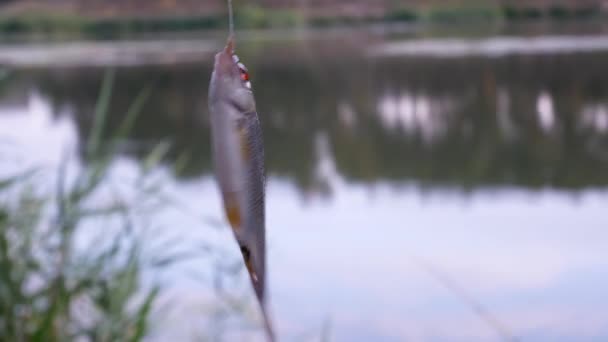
(251,17)
(132,52)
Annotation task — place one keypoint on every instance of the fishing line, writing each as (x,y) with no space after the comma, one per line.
(230,19)
(480,310)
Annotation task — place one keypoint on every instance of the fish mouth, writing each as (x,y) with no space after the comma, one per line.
(229,48)
(223,59)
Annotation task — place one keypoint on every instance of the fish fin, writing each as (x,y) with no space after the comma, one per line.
(258,286)
(258,282)
(233,211)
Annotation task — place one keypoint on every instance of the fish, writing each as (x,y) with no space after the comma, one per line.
(238,158)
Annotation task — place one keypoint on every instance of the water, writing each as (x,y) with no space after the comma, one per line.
(447,189)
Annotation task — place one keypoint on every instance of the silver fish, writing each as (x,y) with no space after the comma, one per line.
(238,156)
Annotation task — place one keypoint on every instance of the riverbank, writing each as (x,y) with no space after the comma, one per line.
(35,21)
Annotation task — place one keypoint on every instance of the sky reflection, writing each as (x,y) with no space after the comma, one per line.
(514,251)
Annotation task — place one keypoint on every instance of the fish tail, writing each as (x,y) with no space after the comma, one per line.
(270,336)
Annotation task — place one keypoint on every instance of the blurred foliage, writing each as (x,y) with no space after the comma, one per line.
(253,16)
(114,27)
(555,12)
(50,23)
(302,94)
(463,13)
(52,290)
(403,14)
(41,22)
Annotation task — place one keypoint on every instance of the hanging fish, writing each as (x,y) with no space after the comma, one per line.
(238,156)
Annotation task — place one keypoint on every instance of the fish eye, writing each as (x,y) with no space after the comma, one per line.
(244,72)
(244,75)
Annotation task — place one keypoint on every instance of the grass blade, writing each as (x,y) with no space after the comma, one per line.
(101,113)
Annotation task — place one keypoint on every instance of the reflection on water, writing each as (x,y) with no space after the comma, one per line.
(526,135)
(471,121)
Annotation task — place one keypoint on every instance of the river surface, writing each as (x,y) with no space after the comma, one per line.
(419,188)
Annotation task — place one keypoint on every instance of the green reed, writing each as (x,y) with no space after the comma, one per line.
(54,288)
(49,289)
